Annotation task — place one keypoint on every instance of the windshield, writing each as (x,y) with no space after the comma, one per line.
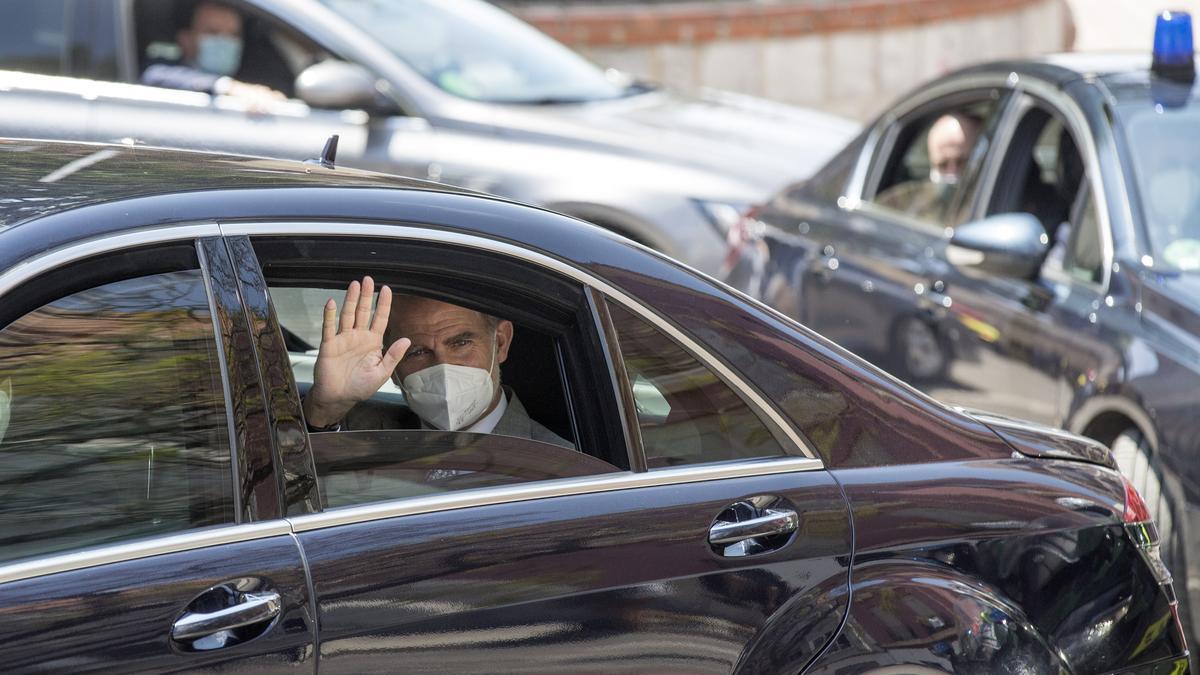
(474,50)
(1165,145)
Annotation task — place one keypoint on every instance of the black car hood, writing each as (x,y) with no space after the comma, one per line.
(1037,440)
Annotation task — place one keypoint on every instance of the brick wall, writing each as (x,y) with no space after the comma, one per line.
(847,56)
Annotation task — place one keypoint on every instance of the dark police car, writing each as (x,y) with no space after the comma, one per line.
(1056,278)
(741,495)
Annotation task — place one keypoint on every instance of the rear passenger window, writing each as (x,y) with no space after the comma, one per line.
(687,414)
(112,418)
(33,36)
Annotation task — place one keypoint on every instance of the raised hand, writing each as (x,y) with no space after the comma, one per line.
(351,364)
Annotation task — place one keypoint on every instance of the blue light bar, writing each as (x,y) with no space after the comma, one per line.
(1173,49)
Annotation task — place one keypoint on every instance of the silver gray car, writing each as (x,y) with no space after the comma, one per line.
(456,91)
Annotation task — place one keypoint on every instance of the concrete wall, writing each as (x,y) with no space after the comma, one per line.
(851,57)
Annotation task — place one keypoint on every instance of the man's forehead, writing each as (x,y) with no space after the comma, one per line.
(411,314)
(215,16)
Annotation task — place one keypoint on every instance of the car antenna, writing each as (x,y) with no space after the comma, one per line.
(328,154)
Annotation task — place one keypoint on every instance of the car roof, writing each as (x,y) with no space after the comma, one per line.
(55,194)
(41,178)
(1061,69)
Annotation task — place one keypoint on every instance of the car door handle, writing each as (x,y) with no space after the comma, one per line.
(252,608)
(773,521)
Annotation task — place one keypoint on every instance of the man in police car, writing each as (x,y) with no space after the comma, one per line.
(949,143)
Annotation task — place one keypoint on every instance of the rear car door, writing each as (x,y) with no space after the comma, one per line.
(140,519)
(684,529)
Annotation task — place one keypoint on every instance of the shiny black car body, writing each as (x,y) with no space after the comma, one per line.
(1095,332)
(760,501)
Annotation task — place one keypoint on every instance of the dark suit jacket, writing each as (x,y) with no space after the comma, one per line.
(515,422)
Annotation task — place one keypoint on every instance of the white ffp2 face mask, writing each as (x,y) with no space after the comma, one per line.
(449,396)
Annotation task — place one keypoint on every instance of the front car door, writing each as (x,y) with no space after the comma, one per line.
(458,552)
(140,525)
(1042,329)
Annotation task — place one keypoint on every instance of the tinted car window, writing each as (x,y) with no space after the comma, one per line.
(33,36)
(1041,173)
(112,418)
(687,414)
(94,47)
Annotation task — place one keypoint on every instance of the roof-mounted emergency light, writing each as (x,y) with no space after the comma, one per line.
(1174,56)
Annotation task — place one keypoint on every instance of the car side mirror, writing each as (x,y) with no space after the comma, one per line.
(1006,244)
(337,84)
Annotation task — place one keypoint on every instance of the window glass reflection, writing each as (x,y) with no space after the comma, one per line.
(112,418)
(686,413)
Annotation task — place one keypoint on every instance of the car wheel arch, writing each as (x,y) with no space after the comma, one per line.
(955,604)
(1104,418)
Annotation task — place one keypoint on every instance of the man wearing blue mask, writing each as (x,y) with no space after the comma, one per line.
(211,53)
(445,358)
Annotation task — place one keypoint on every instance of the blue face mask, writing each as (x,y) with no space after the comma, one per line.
(219,54)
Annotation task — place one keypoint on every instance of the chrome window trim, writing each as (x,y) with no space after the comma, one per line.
(135,550)
(763,407)
(64,255)
(565,487)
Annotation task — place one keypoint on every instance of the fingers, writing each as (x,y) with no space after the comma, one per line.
(349,306)
(362,315)
(395,353)
(383,309)
(329,321)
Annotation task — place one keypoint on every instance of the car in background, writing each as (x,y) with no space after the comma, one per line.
(741,496)
(1055,282)
(456,91)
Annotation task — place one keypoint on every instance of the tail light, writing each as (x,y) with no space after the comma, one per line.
(1140,529)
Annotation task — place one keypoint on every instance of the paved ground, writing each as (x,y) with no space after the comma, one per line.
(1104,25)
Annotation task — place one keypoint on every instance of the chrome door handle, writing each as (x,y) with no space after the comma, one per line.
(253,608)
(773,521)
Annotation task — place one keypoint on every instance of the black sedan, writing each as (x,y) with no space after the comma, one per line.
(1052,278)
(727,491)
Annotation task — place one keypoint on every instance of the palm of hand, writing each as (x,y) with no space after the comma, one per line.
(351,366)
(351,363)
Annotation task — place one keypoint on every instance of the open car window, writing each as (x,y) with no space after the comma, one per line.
(934,164)
(538,338)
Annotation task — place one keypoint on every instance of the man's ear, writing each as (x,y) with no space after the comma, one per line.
(504,332)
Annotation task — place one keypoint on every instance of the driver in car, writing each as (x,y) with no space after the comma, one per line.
(211,53)
(445,358)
